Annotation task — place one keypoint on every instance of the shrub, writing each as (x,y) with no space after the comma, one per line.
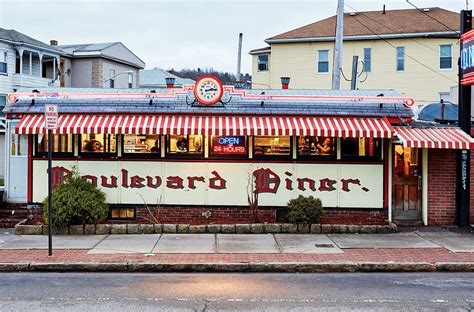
(304,210)
(76,201)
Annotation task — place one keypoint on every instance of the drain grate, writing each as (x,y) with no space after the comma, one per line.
(324,245)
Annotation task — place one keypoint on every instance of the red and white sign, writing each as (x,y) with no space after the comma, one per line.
(219,183)
(51,117)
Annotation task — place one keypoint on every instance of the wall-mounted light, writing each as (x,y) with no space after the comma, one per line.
(285,81)
(170,82)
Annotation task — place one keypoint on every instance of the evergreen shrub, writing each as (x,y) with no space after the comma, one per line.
(75,202)
(304,210)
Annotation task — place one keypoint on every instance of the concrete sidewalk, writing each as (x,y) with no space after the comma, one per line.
(408,251)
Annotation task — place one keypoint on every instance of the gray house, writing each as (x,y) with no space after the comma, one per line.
(99,65)
(156,78)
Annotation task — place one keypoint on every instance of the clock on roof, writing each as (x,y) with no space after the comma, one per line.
(208,90)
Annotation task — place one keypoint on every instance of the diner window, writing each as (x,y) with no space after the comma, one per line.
(361,149)
(445,56)
(98,144)
(62,143)
(400,58)
(263,62)
(323,61)
(18,144)
(310,147)
(228,146)
(272,146)
(3,62)
(119,213)
(368,59)
(141,144)
(185,145)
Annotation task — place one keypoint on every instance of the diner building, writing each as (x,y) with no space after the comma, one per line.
(204,153)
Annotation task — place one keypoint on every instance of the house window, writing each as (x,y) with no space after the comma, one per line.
(272,146)
(400,58)
(361,149)
(98,144)
(368,59)
(141,144)
(311,147)
(263,62)
(3,62)
(112,78)
(445,56)
(130,80)
(62,143)
(185,145)
(116,213)
(323,61)
(3,102)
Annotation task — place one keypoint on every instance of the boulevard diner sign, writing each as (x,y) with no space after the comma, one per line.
(467,58)
(217,183)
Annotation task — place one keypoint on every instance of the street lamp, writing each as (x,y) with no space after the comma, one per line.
(129,72)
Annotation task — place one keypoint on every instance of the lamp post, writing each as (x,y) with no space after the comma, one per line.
(112,77)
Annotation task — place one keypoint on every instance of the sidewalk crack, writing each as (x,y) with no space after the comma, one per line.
(280,248)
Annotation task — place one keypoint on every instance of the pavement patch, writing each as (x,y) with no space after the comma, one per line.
(59,242)
(246,243)
(185,243)
(454,242)
(306,243)
(126,243)
(395,240)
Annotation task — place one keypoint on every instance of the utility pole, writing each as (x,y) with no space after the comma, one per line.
(239,57)
(336,72)
(463,157)
(355,62)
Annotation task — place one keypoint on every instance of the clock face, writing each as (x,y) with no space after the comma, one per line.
(208,90)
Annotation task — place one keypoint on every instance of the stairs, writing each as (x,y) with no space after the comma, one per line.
(11,214)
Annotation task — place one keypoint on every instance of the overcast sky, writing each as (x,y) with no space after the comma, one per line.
(180,33)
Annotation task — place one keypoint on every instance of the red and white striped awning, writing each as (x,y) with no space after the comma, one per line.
(211,125)
(452,138)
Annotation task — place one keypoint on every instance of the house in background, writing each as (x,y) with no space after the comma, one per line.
(407,50)
(156,78)
(99,65)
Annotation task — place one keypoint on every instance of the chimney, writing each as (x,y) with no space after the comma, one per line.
(383,10)
(285,81)
(170,82)
(53,43)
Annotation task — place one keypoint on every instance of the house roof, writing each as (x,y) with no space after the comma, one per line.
(13,36)
(87,47)
(304,102)
(156,78)
(260,50)
(396,23)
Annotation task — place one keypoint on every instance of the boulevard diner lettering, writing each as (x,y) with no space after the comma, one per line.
(467,58)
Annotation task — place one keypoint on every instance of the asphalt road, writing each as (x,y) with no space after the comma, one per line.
(257,292)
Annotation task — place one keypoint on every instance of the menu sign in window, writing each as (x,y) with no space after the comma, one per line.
(234,145)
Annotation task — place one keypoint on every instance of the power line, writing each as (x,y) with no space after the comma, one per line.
(435,19)
(409,56)
(385,26)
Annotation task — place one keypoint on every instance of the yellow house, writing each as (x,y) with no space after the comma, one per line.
(413,51)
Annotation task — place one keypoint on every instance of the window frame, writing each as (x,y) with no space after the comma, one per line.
(229,156)
(273,157)
(37,153)
(368,64)
(5,53)
(187,155)
(450,57)
(98,155)
(353,158)
(122,208)
(263,62)
(398,58)
(320,61)
(126,155)
(332,157)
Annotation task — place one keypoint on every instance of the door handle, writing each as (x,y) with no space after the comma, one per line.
(419,183)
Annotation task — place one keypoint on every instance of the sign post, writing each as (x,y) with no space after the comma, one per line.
(466,79)
(51,123)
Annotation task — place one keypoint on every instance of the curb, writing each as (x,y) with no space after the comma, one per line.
(290,267)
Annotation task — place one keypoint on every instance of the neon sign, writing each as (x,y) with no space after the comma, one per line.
(228,145)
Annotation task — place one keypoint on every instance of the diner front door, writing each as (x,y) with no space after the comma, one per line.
(407,184)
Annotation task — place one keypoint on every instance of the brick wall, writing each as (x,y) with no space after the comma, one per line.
(355,216)
(441,186)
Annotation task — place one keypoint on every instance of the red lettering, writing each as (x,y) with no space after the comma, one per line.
(192,179)
(266,181)
(124,178)
(92,179)
(301,182)
(136,182)
(58,174)
(327,185)
(174,182)
(288,182)
(217,182)
(149,182)
(106,184)
(346,182)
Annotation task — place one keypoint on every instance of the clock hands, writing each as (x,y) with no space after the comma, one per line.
(210,89)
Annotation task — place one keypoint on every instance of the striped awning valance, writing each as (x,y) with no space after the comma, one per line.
(447,138)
